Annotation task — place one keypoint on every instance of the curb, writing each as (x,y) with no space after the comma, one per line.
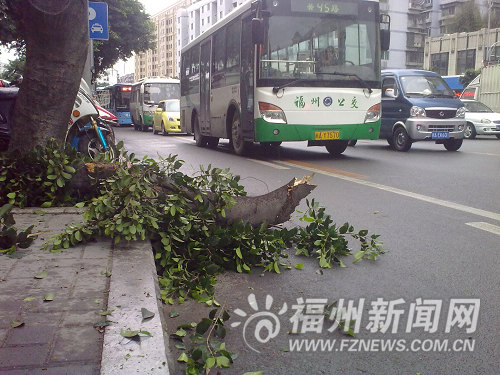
(133,286)
(50,210)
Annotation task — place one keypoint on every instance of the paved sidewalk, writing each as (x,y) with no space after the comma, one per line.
(58,336)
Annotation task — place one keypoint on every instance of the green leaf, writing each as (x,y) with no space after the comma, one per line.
(210,362)
(183,358)
(127,356)
(80,204)
(342,265)
(107,312)
(106,273)
(129,333)
(180,332)
(180,346)
(203,326)
(46,204)
(238,253)
(49,297)
(41,275)
(276,267)
(173,314)
(11,195)
(299,266)
(15,324)
(222,361)
(146,314)
(253,373)
(28,299)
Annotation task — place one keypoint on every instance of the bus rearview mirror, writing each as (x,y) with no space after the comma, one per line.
(385,39)
(257,31)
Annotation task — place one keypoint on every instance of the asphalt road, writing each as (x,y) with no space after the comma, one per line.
(438,215)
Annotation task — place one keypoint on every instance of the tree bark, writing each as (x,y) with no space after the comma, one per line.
(271,208)
(56,36)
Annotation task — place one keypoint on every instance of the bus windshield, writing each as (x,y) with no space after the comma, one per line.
(307,46)
(154,92)
(122,98)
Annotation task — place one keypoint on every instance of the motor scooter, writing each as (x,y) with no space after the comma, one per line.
(86,133)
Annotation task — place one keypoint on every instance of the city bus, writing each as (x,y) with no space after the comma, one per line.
(116,99)
(286,70)
(146,94)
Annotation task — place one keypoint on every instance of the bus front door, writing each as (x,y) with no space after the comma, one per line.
(205,88)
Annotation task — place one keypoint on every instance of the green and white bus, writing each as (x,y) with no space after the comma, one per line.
(286,70)
(146,94)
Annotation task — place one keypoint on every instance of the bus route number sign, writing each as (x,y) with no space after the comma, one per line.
(328,7)
(325,135)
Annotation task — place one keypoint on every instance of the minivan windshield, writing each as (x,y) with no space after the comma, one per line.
(425,86)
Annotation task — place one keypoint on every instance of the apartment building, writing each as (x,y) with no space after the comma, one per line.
(198,18)
(413,21)
(453,54)
(161,61)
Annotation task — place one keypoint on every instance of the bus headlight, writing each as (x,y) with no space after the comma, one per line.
(417,111)
(272,113)
(373,113)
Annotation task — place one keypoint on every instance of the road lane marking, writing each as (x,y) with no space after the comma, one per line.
(425,198)
(486,226)
(268,164)
(325,169)
(186,139)
(484,153)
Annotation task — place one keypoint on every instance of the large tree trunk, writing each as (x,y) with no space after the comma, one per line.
(56,36)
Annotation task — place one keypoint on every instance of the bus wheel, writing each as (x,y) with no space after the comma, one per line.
(240,146)
(453,144)
(336,147)
(200,140)
(212,142)
(401,139)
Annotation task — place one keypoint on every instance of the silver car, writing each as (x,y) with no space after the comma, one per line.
(481,120)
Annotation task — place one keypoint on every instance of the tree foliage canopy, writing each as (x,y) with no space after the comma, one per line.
(130,30)
(467,19)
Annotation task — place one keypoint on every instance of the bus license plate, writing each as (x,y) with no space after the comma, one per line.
(331,134)
(440,135)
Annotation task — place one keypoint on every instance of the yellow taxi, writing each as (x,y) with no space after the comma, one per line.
(166,118)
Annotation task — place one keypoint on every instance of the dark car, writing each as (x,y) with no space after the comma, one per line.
(418,105)
(8,97)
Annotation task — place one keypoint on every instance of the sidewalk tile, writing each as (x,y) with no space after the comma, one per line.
(82,318)
(23,355)
(31,333)
(63,370)
(77,344)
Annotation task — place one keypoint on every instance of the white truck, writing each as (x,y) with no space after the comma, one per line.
(485,87)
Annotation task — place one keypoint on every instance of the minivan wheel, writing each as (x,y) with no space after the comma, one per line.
(401,139)
(470,131)
(453,144)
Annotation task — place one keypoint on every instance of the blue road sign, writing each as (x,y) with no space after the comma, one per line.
(98,21)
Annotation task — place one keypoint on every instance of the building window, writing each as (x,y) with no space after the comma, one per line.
(208,20)
(466,60)
(439,63)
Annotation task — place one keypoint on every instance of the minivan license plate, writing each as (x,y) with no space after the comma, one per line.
(440,135)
